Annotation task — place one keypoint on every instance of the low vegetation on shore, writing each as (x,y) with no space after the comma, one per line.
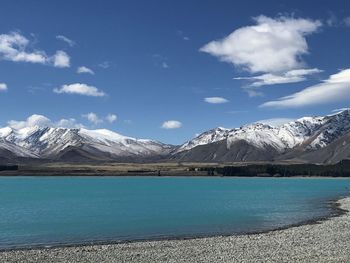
(341,169)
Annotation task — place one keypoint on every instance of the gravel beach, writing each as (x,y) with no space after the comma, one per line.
(326,241)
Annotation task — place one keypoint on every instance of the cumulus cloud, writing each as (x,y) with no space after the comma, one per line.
(81,89)
(3,87)
(66,39)
(275,122)
(68,123)
(61,59)
(335,88)
(171,124)
(84,69)
(71,123)
(14,47)
(272,45)
(43,121)
(93,118)
(216,100)
(33,120)
(111,118)
(292,76)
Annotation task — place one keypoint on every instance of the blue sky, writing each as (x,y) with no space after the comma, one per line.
(168,70)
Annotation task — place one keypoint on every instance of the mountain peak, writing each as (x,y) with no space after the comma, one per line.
(49,142)
(104,134)
(281,138)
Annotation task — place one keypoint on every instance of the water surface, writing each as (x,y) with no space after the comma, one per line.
(74,210)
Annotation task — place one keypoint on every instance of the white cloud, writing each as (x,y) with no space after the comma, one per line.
(111,118)
(68,123)
(81,89)
(335,88)
(84,69)
(61,59)
(66,39)
(13,47)
(272,45)
(292,76)
(93,118)
(33,120)
(43,121)
(71,123)
(216,100)
(172,124)
(275,122)
(3,87)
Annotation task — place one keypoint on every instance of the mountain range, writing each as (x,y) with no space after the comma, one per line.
(309,139)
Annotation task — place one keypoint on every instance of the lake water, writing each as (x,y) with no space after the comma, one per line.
(74,210)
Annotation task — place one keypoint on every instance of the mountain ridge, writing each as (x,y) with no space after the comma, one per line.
(51,143)
(310,139)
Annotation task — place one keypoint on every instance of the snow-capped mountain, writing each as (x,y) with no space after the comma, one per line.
(52,143)
(308,133)
(207,137)
(314,139)
(11,150)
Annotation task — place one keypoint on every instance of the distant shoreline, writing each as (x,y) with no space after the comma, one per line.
(168,175)
(338,170)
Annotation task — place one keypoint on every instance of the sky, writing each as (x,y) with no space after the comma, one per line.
(168,70)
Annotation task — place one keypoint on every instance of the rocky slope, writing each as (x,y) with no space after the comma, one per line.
(314,139)
(66,144)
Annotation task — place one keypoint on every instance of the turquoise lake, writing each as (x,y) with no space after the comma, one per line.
(44,211)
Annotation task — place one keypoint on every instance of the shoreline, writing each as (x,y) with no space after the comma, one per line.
(340,208)
(164,175)
(175,169)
